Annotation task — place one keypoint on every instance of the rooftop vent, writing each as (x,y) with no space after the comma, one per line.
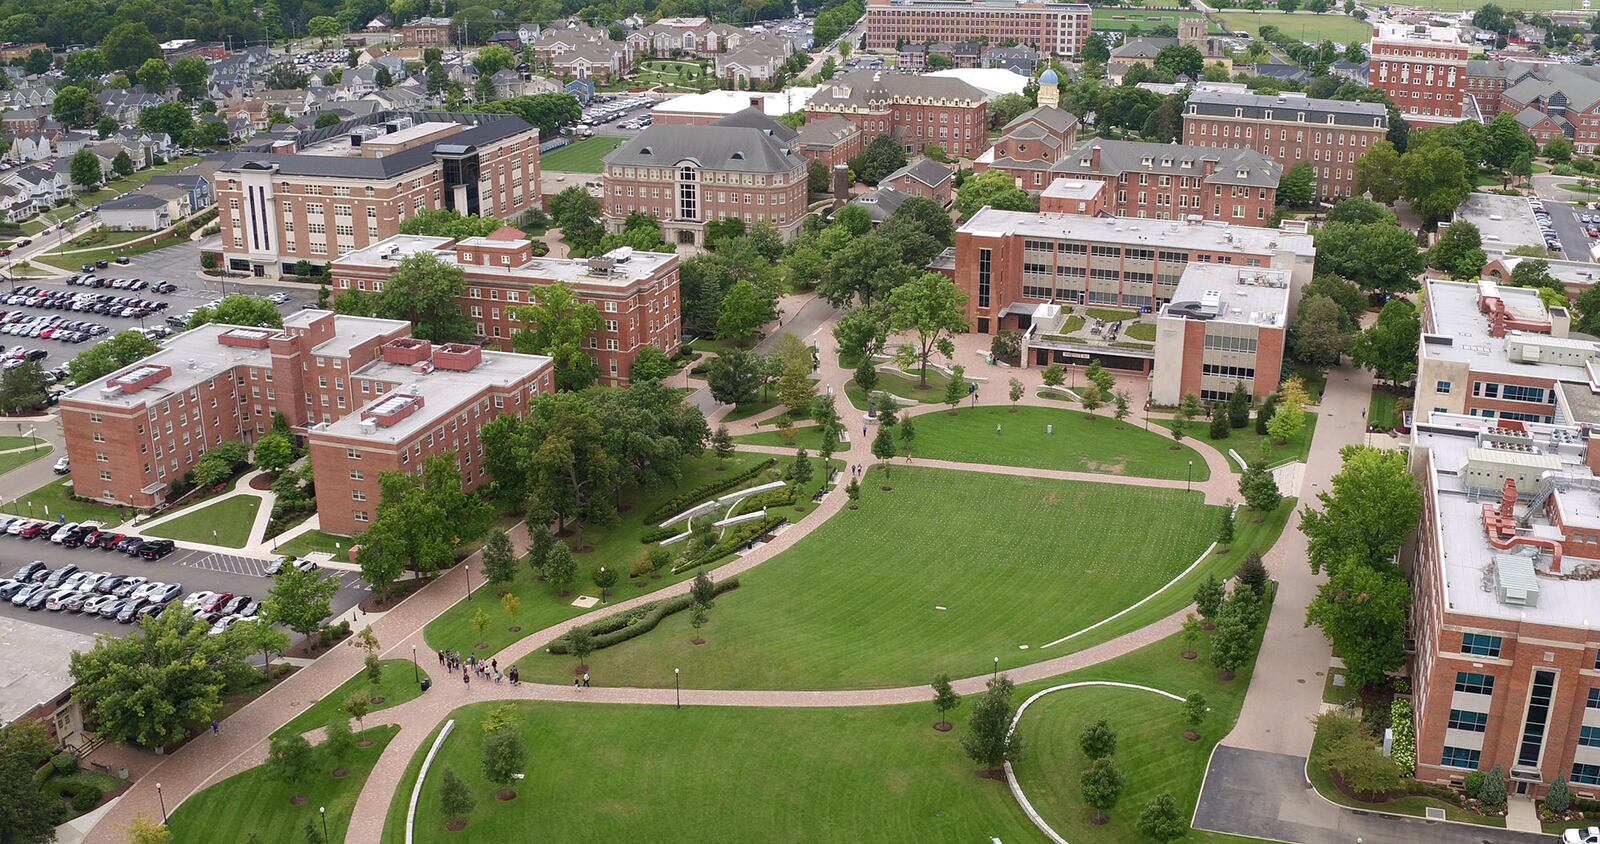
(1515,583)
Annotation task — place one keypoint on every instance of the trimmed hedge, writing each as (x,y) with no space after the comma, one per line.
(82,795)
(623,626)
(679,503)
(655,535)
(729,544)
(771,498)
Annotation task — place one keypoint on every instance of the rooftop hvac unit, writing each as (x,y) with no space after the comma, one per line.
(369,427)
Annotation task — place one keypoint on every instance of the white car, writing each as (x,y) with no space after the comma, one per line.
(195,599)
(57,598)
(278,298)
(61,532)
(223,624)
(94,605)
(18,526)
(147,589)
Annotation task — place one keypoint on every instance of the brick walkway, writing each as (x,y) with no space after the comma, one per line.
(242,743)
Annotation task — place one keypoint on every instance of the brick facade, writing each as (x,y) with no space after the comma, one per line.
(1052,28)
(914,110)
(1326,134)
(1422,69)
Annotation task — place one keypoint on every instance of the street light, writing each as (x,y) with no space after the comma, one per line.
(414,670)
(324,812)
(1188,477)
(677,691)
(163,802)
(466,569)
(997,668)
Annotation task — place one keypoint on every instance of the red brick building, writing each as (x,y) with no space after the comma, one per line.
(914,110)
(1329,135)
(635,292)
(1225,326)
(745,166)
(1084,197)
(329,191)
(1507,667)
(427,32)
(1422,68)
(833,140)
(1175,182)
(1052,28)
(924,178)
(1030,145)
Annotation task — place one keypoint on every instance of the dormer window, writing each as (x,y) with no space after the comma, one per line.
(1330,120)
(1300,117)
(1238,112)
(1266,115)
(1377,123)
(1146,161)
(1084,162)
(1166,162)
(645,151)
(1194,109)
(1187,164)
(1244,174)
(738,156)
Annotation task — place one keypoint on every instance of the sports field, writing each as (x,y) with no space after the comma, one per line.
(1340,29)
(582,157)
(1146,19)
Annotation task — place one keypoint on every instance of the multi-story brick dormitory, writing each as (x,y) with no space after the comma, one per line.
(325,192)
(1031,144)
(132,434)
(914,110)
(1329,135)
(1052,28)
(1423,70)
(1177,182)
(635,292)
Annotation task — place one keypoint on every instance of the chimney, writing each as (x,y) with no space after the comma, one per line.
(1094,158)
(841,185)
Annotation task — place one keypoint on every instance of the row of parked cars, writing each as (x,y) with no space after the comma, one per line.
(85,535)
(33,296)
(1546,228)
(92,280)
(69,589)
(49,327)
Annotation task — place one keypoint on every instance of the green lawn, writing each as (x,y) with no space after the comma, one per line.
(226,522)
(913,584)
(1340,29)
(1145,331)
(316,540)
(752,408)
(18,459)
(395,686)
(102,237)
(114,189)
(1146,19)
(1381,409)
(1579,188)
(809,437)
(1316,380)
(8,443)
(1346,693)
(615,547)
(1111,314)
(50,501)
(582,157)
(1253,446)
(73,260)
(253,802)
(610,772)
(1416,806)
(1080,443)
(904,385)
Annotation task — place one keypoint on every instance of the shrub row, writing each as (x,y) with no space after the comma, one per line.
(660,534)
(766,500)
(638,621)
(729,544)
(678,503)
(82,795)
(1404,749)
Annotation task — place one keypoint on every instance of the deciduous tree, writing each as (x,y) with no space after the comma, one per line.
(990,741)
(933,309)
(1101,785)
(1389,347)
(556,324)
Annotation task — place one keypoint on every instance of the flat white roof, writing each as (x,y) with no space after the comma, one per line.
(1063,188)
(1244,295)
(443,393)
(1454,306)
(390,252)
(1207,235)
(1505,222)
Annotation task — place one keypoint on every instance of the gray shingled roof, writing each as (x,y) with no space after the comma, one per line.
(926,171)
(753,118)
(862,88)
(1142,48)
(1256,106)
(1580,91)
(736,148)
(134,202)
(825,132)
(1497,69)
(881,203)
(1057,119)
(1117,157)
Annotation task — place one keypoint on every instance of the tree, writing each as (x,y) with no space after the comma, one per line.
(142,830)
(883,156)
(1238,410)
(1349,750)
(800,472)
(454,798)
(1434,180)
(1389,347)
(128,46)
(744,310)
(929,217)
(1321,334)
(1378,256)
(955,389)
(154,75)
(993,189)
(1208,597)
(1235,635)
(945,698)
(442,222)
(560,567)
(1493,792)
(722,443)
(990,741)
(1252,573)
(1505,141)
(420,522)
(190,75)
(1098,740)
(818,177)
(604,578)
(1219,426)
(273,453)
(735,376)
(580,642)
(151,685)
(1362,612)
(1195,710)
(22,388)
(1054,375)
(337,740)
(1008,107)
(492,59)
(1288,420)
(1182,60)
(85,170)
(290,759)
(29,814)
(1378,173)
(85,66)
(1359,210)
(1459,251)
(1298,186)
(300,599)
(556,324)
(499,560)
(358,704)
(883,447)
(172,118)
(651,364)
(1101,784)
(1159,820)
(1559,798)
(239,309)
(504,756)
(933,308)
(1369,508)
(1558,149)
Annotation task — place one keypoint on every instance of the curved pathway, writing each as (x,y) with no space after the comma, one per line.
(242,743)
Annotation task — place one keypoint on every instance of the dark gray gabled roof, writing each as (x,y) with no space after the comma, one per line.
(753,118)
(1288,108)
(1143,48)
(1057,119)
(825,132)
(926,171)
(1117,157)
(881,203)
(134,202)
(864,88)
(735,148)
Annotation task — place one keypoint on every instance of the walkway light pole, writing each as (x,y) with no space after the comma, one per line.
(163,802)
(997,668)
(677,691)
(1188,477)
(324,812)
(414,670)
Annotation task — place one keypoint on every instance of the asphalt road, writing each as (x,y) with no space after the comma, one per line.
(1574,241)
(196,570)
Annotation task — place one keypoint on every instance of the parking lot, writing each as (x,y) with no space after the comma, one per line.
(616,114)
(1571,229)
(194,570)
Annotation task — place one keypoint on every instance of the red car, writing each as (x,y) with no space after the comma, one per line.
(92,538)
(34,530)
(216,604)
(108,541)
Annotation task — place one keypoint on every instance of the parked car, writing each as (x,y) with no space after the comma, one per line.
(194,599)
(9,587)
(109,584)
(155,549)
(26,573)
(109,542)
(34,529)
(93,605)
(277,565)
(127,586)
(63,466)
(20,597)
(111,608)
(37,599)
(60,575)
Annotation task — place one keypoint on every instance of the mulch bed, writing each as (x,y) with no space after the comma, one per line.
(943,727)
(340,773)
(397,591)
(1191,735)
(262,482)
(514,629)
(505,794)
(297,800)
(1189,655)
(456,824)
(995,774)
(364,743)
(697,641)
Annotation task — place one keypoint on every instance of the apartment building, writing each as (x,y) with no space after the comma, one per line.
(323,193)
(831,141)
(1554,100)
(1051,28)
(1329,135)
(417,401)
(1495,351)
(1422,68)
(1488,79)
(1030,272)
(746,166)
(1226,325)
(1507,665)
(914,110)
(133,433)
(635,292)
(1175,182)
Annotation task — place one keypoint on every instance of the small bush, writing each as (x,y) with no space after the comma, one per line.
(638,621)
(1473,784)
(679,503)
(64,763)
(746,532)
(82,795)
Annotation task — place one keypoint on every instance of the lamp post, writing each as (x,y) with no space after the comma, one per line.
(1188,478)
(324,812)
(677,691)
(466,570)
(415,672)
(163,802)
(997,668)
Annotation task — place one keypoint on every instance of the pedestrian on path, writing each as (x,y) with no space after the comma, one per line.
(216,727)
(441,657)
(515,676)
(575,682)
(466,680)
(586,679)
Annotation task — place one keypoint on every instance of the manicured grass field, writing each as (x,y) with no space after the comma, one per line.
(50,501)
(252,802)
(1381,409)
(615,547)
(395,685)
(19,459)
(8,443)
(72,260)
(1145,19)
(226,522)
(1340,29)
(316,540)
(809,437)
(906,386)
(1145,331)
(1253,446)
(582,157)
(1079,444)
(752,408)
(911,585)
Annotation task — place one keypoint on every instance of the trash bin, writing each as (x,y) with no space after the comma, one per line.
(426,682)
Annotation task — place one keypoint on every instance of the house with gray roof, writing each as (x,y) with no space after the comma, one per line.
(924,178)
(138,211)
(1175,181)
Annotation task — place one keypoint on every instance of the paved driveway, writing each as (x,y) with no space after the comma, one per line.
(1574,242)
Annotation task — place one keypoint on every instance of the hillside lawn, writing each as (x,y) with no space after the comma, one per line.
(1080,443)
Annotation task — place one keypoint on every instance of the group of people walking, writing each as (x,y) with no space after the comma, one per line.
(487,671)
